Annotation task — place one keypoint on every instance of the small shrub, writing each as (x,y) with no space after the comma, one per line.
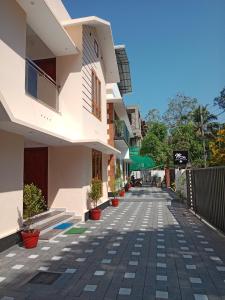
(33,201)
(95,191)
(115,186)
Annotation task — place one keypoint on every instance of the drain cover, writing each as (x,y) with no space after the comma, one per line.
(45,278)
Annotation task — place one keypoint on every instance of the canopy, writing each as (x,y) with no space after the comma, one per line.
(140,163)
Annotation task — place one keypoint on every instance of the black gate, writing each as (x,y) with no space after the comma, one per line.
(206,194)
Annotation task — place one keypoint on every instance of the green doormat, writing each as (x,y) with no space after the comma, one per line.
(76,230)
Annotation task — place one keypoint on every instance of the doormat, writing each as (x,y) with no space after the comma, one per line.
(45,278)
(63,226)
(76,230)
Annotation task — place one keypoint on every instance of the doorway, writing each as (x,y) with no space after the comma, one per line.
(36,168)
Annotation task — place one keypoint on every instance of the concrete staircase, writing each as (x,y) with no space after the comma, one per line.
(47,221)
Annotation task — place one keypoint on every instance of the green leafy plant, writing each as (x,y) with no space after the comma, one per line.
(34,203)
(95,191)
(115,186)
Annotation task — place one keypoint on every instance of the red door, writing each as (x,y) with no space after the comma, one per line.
(36,168)
(48,66)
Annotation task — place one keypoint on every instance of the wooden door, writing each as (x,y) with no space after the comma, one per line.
(36,168)
(48,66)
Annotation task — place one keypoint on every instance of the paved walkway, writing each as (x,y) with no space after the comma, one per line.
(148,248)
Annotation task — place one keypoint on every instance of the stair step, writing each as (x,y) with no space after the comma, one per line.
(53,232)
(54,222)
(45,217)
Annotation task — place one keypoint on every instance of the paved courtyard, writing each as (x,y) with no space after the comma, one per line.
(150,247)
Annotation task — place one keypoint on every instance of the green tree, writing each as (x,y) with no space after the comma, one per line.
(220,100)
(204,120)
(179,109)
(153,116)
(155,143)
(183,137)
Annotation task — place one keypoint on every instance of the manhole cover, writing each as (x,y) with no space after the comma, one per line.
(45,278)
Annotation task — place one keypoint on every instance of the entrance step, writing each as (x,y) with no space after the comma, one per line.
(51,233)
(54,222)
(46,216)
(47,221)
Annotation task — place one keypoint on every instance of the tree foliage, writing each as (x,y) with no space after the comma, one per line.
(179,109)
(155,143)
(185,126)
(220,100)
(183,137)
(217,148)
(153,116)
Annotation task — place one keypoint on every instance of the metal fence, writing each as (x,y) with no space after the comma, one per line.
(206,194)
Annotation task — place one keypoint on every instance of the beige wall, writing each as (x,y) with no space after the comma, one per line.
(70,173)
(92,126)
(73,121)
(11,182)
(58,9)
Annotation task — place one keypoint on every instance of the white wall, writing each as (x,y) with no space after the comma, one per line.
(92,126)
(58,9)
(11,182)
(158,173)
(72,121)
(70,174)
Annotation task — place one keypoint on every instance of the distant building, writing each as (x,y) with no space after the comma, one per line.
(135,121)
(144,128)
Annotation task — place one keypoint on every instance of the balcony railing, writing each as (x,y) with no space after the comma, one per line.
(121,131)
(41,86)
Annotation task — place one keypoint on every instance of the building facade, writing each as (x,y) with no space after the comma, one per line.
(119,127)
(135,121)
(53,106)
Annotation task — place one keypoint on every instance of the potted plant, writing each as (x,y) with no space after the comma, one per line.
(129,182)
(94,195)
(122,192)
(34,204)
(114,190)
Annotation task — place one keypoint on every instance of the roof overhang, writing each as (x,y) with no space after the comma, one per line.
(113,93)
(98,145)
(104,33)
(124,69)
(45,24)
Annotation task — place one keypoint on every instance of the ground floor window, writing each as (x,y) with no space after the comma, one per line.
(96,164)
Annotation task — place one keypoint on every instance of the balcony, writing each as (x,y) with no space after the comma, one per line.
(41,86)
(121,131)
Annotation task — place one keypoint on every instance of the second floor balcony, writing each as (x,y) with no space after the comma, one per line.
(121,131)
(40,85)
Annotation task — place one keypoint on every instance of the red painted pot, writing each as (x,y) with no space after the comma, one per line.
(95,214)
(122,193)
(115,202)
(30,238)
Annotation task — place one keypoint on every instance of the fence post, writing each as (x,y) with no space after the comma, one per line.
(189,189)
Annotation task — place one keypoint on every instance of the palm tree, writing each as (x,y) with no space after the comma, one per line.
(203,121)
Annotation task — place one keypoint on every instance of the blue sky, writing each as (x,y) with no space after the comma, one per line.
(173,46)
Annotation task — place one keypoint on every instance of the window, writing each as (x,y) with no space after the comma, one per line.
(96,48)
(96,96)
(96,164)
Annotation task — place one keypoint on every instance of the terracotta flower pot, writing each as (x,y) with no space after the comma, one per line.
(122,193)
(30,238)
(95,214)
(115,202)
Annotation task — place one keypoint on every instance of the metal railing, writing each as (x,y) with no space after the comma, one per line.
(206,194)
(121,131)
(40,85)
